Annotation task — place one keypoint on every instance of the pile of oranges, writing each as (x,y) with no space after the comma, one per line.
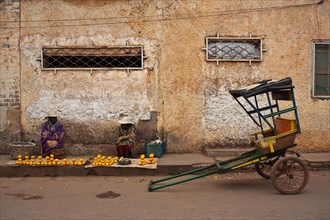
(47,161)
(100,160)
(142,160)
(151,160)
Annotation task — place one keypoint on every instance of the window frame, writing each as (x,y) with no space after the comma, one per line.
(314,43)
(237,40)
(91,68)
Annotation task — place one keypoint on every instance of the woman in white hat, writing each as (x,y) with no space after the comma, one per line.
(126,141)
(52,134)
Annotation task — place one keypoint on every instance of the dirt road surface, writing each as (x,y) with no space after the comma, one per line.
(231,196)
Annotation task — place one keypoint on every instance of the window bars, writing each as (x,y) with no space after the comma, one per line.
(233,49)
(92,58)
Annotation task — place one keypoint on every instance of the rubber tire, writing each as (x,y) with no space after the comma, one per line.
(260,170)
(275,174)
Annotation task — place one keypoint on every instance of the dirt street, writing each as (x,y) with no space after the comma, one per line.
(230,196)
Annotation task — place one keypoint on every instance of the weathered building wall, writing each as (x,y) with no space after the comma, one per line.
(10,122)
(288,34)
(89,103)
(189,95)
(198,110)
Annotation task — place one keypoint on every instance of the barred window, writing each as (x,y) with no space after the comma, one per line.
(128,57)
(321,69)
(233,49)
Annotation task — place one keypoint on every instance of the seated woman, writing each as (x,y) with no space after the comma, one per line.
(52,137)
(126,141)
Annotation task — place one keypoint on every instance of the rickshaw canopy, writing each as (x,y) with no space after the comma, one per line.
(279,90)
(263,87)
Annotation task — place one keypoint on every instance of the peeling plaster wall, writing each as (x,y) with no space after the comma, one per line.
(189,95)
(91,102)
(10,124)
(205,113)
(82,95)
(88,103)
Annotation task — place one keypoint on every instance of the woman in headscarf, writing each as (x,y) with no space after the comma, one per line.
(126,140)
(52,134)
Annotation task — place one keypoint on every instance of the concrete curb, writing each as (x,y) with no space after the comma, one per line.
(317,161)
(170,164)
(318,166)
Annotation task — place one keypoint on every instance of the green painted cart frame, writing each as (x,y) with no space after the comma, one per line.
(289,175)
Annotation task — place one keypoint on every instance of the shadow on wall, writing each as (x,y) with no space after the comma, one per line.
(83,138)
(146,130)
(105,132)
(89,132)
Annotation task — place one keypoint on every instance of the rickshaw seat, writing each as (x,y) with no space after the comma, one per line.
(284,125)
(282,137)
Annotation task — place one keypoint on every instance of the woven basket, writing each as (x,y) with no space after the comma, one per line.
(21,148)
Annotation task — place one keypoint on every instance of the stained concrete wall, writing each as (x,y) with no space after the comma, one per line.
(189,95)
(10,117)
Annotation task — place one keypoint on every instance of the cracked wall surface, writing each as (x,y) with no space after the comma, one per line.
(187,95)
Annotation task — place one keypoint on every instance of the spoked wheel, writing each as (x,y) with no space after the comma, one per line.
(289,175)
(264,168)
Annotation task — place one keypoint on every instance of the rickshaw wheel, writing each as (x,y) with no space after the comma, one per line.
(289,175)
(264,168)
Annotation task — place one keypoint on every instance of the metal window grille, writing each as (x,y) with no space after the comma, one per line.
(233,49)
(92,58)
(321,69)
